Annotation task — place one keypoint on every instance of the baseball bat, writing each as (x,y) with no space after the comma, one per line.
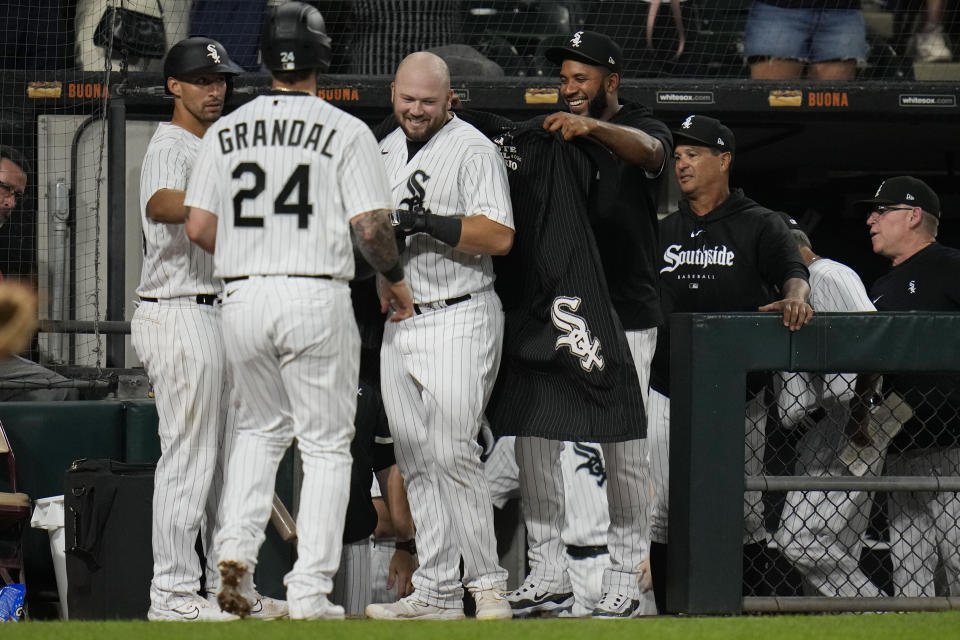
(282,521)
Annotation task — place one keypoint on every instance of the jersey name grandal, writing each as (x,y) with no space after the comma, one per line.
(674,257)
(280,133)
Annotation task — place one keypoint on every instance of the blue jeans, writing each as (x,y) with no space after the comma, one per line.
(807,35)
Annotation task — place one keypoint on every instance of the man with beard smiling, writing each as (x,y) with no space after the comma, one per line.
(453,212)
(625,233)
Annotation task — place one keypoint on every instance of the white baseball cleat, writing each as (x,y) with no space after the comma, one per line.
(616,605)
(263,607)
(315,609)
(531,600)
(492,604)
(195,610)
(413,608)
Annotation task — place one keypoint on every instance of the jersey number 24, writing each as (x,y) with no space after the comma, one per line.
(299,180)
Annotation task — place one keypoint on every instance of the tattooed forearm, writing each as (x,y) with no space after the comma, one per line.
(375,238)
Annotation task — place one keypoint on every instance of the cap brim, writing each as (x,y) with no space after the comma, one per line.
(681,136)
(861,204)
(557,55)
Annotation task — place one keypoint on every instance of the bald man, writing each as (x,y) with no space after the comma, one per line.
(452,213)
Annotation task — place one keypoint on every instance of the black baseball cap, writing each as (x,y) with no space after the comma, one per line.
(590,47)
(705,131)
(904,190)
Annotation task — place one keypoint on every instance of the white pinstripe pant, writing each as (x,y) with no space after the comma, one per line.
(542,499)
(437,371)
(821,531)
(180,346)
(294,349)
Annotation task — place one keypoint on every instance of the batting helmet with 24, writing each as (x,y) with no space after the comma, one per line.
(295,38)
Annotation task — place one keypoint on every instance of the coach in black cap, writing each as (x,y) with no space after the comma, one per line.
(625,234)
(719,252)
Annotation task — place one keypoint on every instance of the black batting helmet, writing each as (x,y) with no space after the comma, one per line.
(198,55)
(294,38)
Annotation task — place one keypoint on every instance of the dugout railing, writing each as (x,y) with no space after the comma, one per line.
(710,357)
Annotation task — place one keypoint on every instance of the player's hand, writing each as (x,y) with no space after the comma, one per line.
(18,317)
(409,221)
(395,299)
(646,579)
(570,125)
(796,313)
(402,566)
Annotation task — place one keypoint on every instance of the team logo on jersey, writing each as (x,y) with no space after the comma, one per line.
(213,54)
(675,256)
(593,463)
(577,337)
(416,190)
(576,41)
(912,286)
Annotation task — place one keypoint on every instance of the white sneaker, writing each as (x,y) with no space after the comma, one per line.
(263,607)
(531,600)
(413,608)
(616,605)
(196,610)
(931,46)
(492,604)
(315,609)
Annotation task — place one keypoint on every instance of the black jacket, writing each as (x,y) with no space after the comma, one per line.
(566,372)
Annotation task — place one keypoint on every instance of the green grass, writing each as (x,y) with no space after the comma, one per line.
(896,626)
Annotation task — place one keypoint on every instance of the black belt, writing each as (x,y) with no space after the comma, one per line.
(439,304)
(289,275)
(579,553)
(202,298)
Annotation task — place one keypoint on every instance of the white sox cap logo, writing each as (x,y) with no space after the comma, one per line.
(575,40)
(687,123)
(213,54)
(577,337)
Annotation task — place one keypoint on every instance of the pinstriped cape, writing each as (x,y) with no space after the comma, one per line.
(566,372)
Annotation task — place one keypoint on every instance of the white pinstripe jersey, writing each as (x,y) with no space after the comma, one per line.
(284,174)
(459,172)
(172,265)
(833,287)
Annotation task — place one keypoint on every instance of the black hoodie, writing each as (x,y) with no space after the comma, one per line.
(734,258)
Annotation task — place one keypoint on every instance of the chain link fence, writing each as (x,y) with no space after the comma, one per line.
(855,480)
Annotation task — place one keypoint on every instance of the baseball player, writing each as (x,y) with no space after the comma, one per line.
(589,83)
(821,531)
(586,520)
(279,186)
(720,251)
(904,218)
(437,369)
(176,333)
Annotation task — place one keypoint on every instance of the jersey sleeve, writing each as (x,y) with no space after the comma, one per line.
(204,190)
(655,129)
(363,177)
(165,166)
(843,290)
(483,180)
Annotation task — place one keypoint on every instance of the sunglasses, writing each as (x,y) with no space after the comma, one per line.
(884,208)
